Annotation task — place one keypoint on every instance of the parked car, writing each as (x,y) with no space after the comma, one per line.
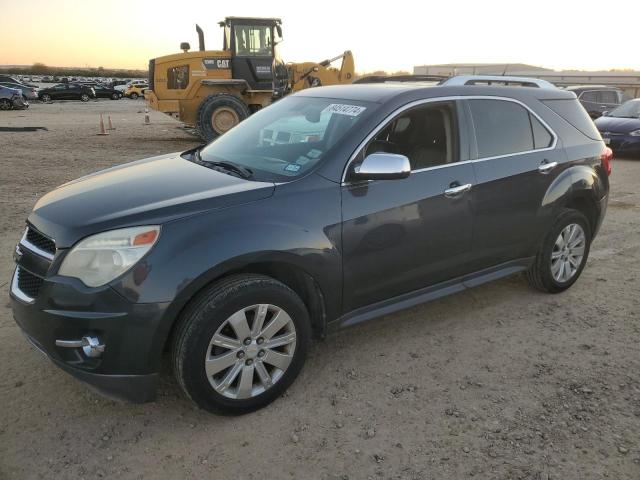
(67,91)
(598,98)
(28,93)
(11,98)
(620,128)
(103,91)
(233,255)
(136,90)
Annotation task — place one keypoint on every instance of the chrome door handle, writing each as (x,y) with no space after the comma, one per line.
(457,190)
(547,167)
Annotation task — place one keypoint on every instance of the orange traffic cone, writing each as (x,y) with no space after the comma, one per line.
(111,127)
(102,130)
(146,117)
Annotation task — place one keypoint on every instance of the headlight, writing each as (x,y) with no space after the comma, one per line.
(635,133)
(100,258)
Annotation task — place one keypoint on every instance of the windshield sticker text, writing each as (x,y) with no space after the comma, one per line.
(342,109)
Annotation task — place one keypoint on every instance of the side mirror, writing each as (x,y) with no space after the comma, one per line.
(605,113)
(382,166)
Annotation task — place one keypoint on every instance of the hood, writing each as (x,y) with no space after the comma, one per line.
(151,191)
(617,125)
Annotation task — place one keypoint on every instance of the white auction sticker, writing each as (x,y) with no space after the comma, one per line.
(342,109)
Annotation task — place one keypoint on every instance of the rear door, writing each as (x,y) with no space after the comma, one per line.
(402,235)
(516,162)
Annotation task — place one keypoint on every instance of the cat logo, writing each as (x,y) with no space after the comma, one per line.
(216,63)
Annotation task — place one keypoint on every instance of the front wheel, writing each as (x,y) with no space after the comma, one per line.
(240,344)
(115,96)
(563,253)
(219,113)
(84,97)
(133,96)
(45,97)
(5,104)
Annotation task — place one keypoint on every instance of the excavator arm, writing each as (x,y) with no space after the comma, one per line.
(309,74)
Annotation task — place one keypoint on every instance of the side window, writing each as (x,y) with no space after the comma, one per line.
(541,136)
(609,96)
(589,96)
(426,134)
(178,77)
(501,127)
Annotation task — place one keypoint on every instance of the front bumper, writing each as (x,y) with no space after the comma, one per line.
(64,309)
(623,143)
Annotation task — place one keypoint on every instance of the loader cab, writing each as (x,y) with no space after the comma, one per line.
(253,46)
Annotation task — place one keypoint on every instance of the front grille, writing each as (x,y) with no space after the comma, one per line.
(28,283)
(43,243)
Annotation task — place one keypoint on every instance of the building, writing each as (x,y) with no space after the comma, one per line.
(626,81)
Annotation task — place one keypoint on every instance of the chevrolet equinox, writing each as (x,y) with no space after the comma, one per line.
(330,207)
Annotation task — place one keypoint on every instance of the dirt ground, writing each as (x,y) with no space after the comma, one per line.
(499,382)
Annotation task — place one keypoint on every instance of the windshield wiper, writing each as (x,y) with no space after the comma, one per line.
(239,170)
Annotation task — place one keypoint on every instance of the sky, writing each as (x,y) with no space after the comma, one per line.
(391,35)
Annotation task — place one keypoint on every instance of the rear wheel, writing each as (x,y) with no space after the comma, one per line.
(45,97)
(5,104)
(563,253)
(133,96)
(240,344)
(115,96)
(219,113)
(84,97)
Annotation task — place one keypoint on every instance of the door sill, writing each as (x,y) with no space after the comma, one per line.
(423,295)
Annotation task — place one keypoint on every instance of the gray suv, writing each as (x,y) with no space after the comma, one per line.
(232,256)
(597,99)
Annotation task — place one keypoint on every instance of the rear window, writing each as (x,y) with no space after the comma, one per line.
(502,127)
(575,114)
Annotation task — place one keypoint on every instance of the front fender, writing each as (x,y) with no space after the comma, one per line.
(298,226)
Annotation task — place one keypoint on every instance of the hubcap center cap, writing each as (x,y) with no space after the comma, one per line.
(252,350)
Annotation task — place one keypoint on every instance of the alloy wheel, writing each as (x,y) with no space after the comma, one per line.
(250,351)
(568,253)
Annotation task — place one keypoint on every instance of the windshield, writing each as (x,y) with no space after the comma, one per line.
(630,109)
(289,137)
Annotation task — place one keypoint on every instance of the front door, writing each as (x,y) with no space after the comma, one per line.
(402,235)
(253,55)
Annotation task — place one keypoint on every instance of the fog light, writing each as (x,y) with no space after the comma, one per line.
(91,346)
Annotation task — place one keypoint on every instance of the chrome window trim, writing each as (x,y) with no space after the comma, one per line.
(16,292)
(416,103)
(30,246)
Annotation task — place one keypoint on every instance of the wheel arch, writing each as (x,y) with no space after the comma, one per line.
(285,270)
(577,187)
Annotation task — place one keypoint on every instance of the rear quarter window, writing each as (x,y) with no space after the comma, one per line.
(574,113)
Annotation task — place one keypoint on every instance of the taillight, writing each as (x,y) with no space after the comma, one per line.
(605,159)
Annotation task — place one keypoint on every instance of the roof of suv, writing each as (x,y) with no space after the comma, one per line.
(383,92)
(581,88)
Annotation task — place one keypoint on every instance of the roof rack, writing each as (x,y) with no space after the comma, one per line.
(401,78)
(502,80)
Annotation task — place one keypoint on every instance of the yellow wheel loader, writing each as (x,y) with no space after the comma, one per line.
(214,90)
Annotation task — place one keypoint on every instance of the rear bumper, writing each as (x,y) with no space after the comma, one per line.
(131,334)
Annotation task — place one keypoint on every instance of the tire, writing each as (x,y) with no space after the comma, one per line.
(5,104)
(115,96)
(542,274)
(133,96)
(228,109)
(45,97)
(84,97)
(240,298)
